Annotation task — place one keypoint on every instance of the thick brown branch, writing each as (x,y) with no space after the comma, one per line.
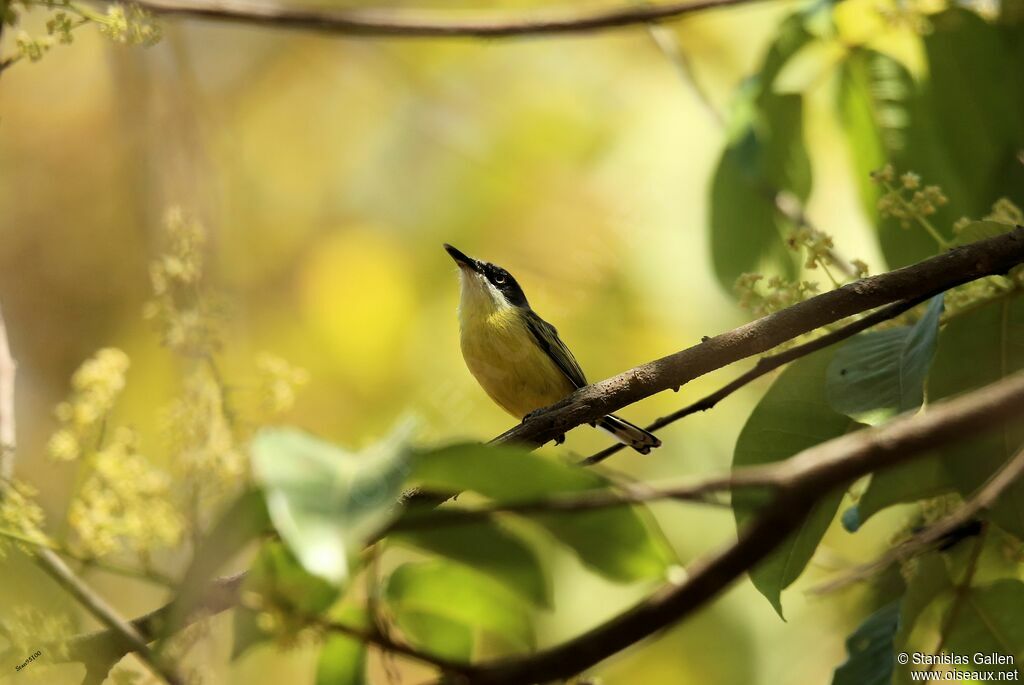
(377,24)
(805,477)
(983,258)
(765,365)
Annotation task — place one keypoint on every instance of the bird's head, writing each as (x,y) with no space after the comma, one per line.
(485,284)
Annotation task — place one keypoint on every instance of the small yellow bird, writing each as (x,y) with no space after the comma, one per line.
(515,355)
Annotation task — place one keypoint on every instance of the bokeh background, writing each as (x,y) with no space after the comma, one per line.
(328,172)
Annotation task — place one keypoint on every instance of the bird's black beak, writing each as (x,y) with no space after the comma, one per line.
(462,259)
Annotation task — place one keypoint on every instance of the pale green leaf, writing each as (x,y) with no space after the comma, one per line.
(326,501)
(879,374)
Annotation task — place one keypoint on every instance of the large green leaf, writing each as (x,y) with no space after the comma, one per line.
(953,128)
(621,543)
(764,156)
(437,634)
(461,596)
(879,374)
(989,623)
(907,482)
(325,501)
(490,547)
(791,417)
(342,659)
(871,660)
(975,349)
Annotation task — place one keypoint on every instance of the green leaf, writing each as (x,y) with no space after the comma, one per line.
(975,349)
(622,543)
(952,128)
(441,636)
(879,374)
(989,622)
(980,230)
(791,417)
(870,648)
(791,36)
(327,502)
(280,581)
(489,547)
(342,659)
(242,522)
(910,481)
(930,580)
(459,596)
(765,156)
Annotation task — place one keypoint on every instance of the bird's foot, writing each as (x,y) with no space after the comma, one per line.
(559,439)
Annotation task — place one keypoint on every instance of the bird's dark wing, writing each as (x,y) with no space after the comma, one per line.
(547,337)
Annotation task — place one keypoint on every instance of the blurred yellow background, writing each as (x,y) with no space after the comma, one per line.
(328,172)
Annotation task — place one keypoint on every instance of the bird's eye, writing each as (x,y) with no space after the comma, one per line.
(499,279)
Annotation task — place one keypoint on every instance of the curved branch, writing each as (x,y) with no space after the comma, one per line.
(983,258)
(380,24)
(765,365)
(804,479)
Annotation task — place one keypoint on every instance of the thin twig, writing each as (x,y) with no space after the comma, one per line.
(55,567)
(361,23)
(770,363)
(387,644)
(981,501)
(89,562)
(626,495)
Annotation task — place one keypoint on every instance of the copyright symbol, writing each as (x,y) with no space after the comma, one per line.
(903,658)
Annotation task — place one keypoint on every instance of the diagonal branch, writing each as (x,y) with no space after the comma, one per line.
(981,501)
(983,258)
(804,478)
(766,365)
(366,23)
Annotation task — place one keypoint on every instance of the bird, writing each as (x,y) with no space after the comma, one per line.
(516,356)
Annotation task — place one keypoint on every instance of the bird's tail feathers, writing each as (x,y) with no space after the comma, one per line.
(628,434)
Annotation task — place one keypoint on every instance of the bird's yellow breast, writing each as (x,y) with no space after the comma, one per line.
(506,360)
